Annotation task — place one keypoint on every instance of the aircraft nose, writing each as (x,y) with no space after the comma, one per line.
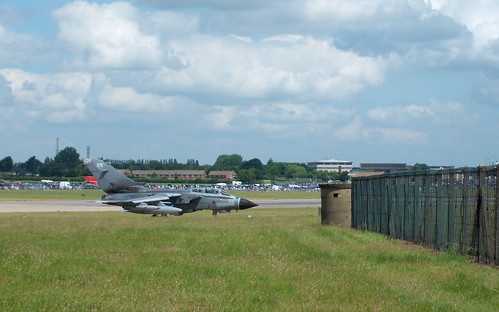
(245,204)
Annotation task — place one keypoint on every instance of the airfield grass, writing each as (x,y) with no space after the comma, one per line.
(30,195)
(275,260)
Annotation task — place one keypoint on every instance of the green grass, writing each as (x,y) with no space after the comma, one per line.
(31,195)
(96,194)
(277,260)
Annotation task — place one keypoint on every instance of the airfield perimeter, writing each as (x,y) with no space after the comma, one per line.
(84,205)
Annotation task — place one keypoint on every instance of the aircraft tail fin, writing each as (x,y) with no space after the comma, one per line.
(110,180)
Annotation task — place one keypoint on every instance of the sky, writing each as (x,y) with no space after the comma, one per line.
(405,81)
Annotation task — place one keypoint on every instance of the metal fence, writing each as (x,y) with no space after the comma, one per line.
(448,209)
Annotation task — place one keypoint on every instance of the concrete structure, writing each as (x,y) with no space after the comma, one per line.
(384,167)
(331,165)
(359,174)
(336,204)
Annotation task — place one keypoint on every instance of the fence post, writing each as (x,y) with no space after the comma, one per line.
(429,211)
(418,210)
(497,216)
(354,200)
(465,220)
(439,211)
(385,206)
(399,193)
(452,210)
(482,215)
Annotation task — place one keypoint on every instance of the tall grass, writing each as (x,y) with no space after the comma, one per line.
(277,260)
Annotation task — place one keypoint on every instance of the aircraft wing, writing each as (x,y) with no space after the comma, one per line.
(156,198)
(139,200)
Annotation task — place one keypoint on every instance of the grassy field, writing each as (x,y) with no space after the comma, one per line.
(30,195)
(96,194)
(277,260)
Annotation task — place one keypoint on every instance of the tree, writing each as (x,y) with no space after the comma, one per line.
(192,164)
(254,168)
(344,176)
(33,165)
(156,165)
(273,171)
(67,163)
(228,162)
(420,167)
(6,164)
(252,163)
(248,175)
(68,157)
(295,171)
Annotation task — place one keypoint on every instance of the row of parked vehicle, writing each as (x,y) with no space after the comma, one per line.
(67,185)
(46,185)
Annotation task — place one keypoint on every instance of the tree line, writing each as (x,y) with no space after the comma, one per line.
(67,163)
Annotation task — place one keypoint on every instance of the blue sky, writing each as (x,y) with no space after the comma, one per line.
(413,81)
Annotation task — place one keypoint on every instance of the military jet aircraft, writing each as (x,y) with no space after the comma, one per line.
(138,198)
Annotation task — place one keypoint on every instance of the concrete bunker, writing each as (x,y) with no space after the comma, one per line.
(336,204)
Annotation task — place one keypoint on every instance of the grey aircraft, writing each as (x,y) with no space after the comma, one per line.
(138,198)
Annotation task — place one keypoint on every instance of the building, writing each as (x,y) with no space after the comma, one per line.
(222,175)
(180,174)
(331,165)
(169,174)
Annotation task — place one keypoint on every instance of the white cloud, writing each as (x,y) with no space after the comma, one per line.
(396,135)
(411,124)
(117,35)
(221,117)
(59,97)
(359,130)
(171,24)
(435,113)
(128,100)
(350,131)
(286,66)
(339,11)
(20,49)
(65,116)
(480,18)
(276,119)
(109,35)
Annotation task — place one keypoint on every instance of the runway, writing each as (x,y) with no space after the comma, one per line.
(83,205)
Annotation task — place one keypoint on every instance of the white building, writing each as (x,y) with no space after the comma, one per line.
(331,165)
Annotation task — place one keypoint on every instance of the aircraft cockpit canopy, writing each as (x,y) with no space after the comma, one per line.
(210,190)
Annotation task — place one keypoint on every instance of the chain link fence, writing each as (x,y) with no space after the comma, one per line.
(447,210)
